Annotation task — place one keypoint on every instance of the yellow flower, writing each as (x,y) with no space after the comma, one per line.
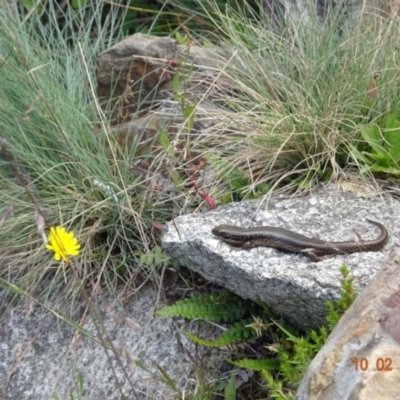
(63,243)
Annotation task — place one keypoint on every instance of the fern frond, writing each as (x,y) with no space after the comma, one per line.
(211,307)
(204,342)
(256,365)
(236,333)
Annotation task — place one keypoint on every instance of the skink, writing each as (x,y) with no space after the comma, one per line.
(282,239)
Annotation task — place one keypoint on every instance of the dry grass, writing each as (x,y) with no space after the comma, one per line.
(301,95)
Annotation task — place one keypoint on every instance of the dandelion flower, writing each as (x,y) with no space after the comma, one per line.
(63,243)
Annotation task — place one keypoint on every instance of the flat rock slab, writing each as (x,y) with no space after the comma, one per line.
(41,355)
(290,284)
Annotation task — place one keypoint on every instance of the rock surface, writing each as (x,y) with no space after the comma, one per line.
(120,70)
(135,83)
(290,284)
(41,355)
(137,74)
(361,358)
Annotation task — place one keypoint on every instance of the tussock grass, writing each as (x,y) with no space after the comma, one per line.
(53,169)
(301,93)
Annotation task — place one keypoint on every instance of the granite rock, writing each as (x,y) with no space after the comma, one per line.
(292,285)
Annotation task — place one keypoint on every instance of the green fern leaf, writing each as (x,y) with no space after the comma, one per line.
(256,365)
(204,342)
(236,333)
(206,306)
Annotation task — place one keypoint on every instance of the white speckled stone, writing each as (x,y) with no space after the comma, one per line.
(290,284)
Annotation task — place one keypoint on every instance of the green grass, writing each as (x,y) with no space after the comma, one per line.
(54,166)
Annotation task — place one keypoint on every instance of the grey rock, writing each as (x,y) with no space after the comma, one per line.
(41,355)
(135,85)
(290,284)
(136,74)
(361,358)
(120,70)
(124,57)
